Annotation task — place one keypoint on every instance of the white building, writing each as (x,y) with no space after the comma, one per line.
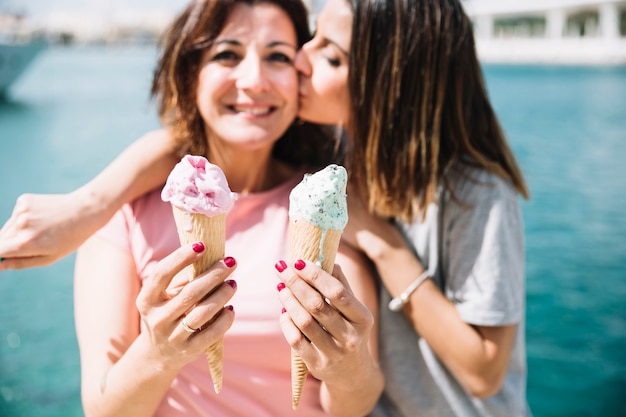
(579,32)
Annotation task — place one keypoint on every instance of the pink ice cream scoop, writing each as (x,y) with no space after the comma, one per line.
(197,186)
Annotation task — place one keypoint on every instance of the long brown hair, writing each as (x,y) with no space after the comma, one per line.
(176,78)
(419,104)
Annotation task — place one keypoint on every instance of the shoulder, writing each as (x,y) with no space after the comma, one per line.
(161,135)
(471,186)
(481,201)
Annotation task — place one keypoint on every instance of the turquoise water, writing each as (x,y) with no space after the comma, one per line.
(77,108)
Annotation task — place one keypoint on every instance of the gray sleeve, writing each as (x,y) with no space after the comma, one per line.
(484,253)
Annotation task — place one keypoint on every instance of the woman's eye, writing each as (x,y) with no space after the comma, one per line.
(225,56)
(333,62)
(329,53)
(280,57)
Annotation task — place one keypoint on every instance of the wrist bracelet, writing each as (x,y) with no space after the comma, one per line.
(397,303)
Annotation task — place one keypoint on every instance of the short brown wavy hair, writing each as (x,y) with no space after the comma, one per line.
(176,77)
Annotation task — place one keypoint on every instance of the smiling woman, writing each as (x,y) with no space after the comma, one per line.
(227,89)
(247,88)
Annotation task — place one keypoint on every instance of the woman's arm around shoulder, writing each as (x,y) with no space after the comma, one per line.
(477,356)
(43,228)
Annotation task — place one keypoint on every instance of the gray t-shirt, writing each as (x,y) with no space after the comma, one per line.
(481,270)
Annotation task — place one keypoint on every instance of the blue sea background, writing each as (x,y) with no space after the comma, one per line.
(76,108)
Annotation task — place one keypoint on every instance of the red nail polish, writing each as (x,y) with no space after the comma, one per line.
(229,261)
(283,311)
(198,247)
(299,265)
(280,266)
(281,286)
(232,283)
(229,308)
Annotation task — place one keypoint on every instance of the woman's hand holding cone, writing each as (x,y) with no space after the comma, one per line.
(325,324)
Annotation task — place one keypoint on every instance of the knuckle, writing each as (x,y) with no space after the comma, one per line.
(338,294)
(22,202)
(315,276)
(141,305)
(352,344)
(188,298)
(297,341)
(209,308)
(307,323)
(317,306)
(23,220)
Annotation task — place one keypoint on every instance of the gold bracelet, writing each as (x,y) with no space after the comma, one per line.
(397,303)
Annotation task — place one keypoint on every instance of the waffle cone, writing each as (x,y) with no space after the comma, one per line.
(299,372)
(194,227)
(214,356)
(306,241)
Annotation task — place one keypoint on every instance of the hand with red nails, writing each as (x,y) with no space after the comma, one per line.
(164,305)
(327,324)
(178,318)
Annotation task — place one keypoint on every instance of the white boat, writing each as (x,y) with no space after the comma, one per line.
(14,59)
(19,45)
(576,32)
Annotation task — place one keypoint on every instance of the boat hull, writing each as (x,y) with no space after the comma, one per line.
(14,59)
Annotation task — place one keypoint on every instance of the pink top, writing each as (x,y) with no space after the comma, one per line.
(257,367)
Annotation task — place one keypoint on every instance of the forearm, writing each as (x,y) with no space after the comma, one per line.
(358,395)
(133,386)
(143,166)
(46,227)
(477,362)
(357,388)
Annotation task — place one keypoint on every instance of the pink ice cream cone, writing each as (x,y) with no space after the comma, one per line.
(200,198)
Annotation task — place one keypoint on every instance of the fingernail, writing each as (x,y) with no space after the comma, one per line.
(299,265)
(229,308)
(280,266)
(229,261)
(283,311)
(198,247)
(281,286)
(232,283)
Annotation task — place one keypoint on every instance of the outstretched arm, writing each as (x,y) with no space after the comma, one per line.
(44,228)
(477,356)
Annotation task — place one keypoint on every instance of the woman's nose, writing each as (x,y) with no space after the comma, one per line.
(250,75)
(302,63)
